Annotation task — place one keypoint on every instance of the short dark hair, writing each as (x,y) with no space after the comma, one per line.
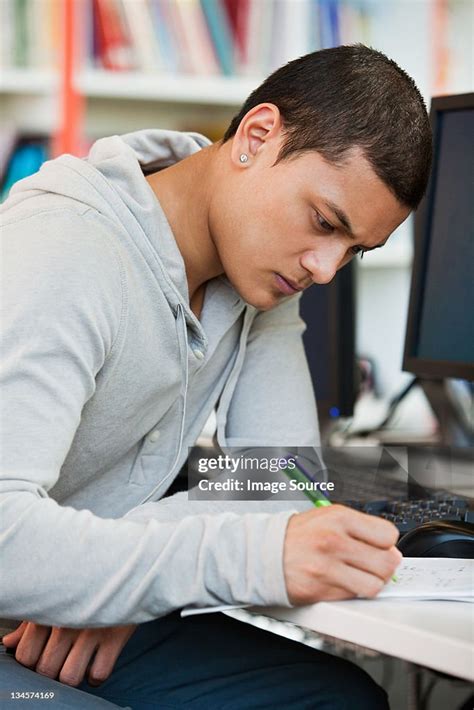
(336,99)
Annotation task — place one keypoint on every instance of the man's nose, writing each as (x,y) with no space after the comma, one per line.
(322,266)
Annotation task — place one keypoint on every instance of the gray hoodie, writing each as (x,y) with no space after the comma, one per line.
(107,377)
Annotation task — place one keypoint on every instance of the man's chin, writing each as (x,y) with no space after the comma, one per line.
(263,300)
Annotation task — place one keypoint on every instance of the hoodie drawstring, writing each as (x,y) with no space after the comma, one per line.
(182,335)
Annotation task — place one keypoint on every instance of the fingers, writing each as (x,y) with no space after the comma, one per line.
(11,640)
(74,667)
(55,651)
(107,654)
(337,548)
(106,644)
(357,582)
(378,562)
(30,646)
(68,654)
(368,528)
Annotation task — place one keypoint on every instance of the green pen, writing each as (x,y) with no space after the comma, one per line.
(318,499)
(299,475)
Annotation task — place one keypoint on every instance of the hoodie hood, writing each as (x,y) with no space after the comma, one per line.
(111,180)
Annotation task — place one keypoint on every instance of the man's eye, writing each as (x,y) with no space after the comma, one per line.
(323,224)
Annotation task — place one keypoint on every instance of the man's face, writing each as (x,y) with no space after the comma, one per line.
(276,227)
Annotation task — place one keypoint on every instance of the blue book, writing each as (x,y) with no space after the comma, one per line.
(334,23)
(329,23)
(26,160)
(221,34)
(163,36)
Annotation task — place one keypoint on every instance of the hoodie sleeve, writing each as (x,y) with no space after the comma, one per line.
(62,311)
(272,406)
(273,403)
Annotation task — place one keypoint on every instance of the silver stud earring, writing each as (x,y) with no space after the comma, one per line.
(244,158)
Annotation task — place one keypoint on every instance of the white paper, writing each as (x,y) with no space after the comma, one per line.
(432,578)
(418,578)
(192,610)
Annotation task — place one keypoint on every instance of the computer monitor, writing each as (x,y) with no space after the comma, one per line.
(439,340)
(440,332)
(329,313)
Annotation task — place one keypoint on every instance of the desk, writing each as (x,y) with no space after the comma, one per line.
(434,634)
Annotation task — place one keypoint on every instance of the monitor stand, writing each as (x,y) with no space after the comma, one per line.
(456,427)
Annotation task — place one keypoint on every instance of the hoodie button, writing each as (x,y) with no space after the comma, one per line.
(154,435)
(198,354)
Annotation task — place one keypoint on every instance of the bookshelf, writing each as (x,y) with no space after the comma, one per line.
(228,91)
(431,39)
(186,52)
(213,90)
(164,39)
(27,81)
(211,53)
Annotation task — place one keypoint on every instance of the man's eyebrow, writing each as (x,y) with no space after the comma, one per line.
(342,217)
(344,220)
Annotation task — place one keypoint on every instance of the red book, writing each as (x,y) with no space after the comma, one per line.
(238,14)
(114,45)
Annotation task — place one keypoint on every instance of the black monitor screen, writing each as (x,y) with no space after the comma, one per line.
(440,339)
(447,324)
(329,341)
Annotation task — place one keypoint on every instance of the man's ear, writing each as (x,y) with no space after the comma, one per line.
(260,126)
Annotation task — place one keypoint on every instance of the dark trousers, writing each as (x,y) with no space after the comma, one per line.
(209,662)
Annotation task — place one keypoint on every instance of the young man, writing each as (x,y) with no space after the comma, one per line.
(143,286)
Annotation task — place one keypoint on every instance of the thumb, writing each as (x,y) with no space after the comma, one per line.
(12,639)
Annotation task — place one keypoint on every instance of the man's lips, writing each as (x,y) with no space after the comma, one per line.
(286,286)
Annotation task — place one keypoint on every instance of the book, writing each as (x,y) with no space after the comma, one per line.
(295,23)
(329,23)
(114,43)
(21,45)
(9,138)
(162,24)
(139,20)
(197,38)
(26,159)
(178,35)
(440,578)
(255,30)
(221,33)
(205,37)
(238,15)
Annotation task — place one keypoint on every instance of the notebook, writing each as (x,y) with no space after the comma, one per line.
(418,579)
(438,578)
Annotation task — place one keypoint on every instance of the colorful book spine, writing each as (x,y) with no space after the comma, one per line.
(294,18)
(21,45)
(221,34)
(205,37)
(329,23)
(114,42)
(196,37)
(139,19)
(163,27)
(256,29)
(238,16)
(25,160)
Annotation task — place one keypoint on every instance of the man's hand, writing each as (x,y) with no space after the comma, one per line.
(338,553)
(65,654)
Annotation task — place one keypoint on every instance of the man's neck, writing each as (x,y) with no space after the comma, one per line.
(184,191)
